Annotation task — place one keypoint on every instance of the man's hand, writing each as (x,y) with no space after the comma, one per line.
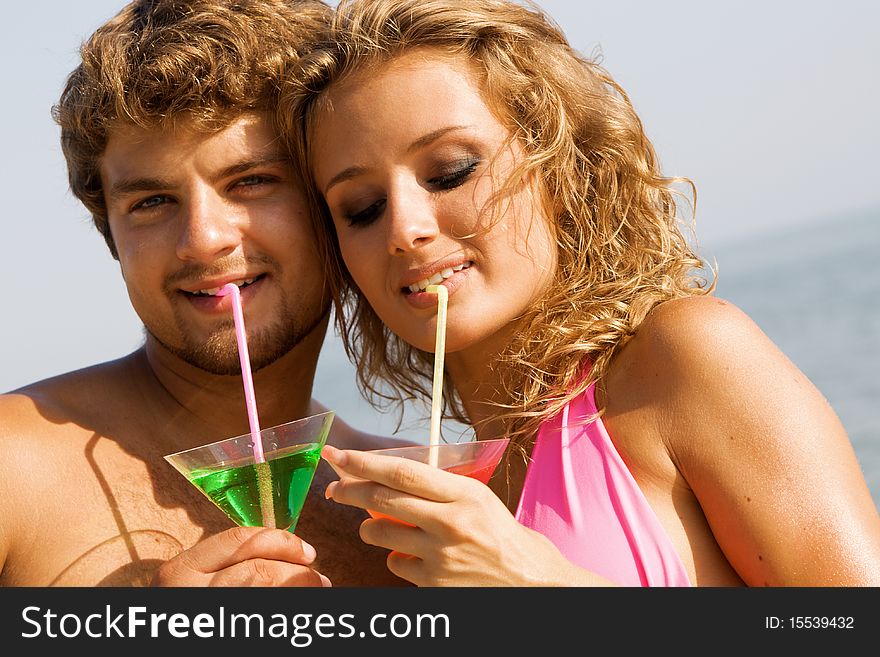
(243,556)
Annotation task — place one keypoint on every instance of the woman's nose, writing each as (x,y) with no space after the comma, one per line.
(412,220)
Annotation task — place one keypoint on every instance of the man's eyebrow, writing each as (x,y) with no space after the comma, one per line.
(132,185)
(147,184)
(421,142)
(256,163)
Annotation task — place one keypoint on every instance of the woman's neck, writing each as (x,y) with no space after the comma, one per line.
(476,373)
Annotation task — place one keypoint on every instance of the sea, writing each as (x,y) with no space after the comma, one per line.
(814,289)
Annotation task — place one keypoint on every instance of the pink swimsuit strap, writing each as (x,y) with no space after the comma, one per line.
(579,493)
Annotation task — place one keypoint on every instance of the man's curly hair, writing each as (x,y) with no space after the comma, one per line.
(161,61)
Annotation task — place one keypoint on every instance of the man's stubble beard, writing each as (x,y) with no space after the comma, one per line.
(219,353)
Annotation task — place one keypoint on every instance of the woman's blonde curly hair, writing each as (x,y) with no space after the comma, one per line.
(615,217)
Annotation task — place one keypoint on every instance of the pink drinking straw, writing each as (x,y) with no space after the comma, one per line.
(245,360)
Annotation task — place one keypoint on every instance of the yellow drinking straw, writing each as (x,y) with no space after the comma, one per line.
(439,352)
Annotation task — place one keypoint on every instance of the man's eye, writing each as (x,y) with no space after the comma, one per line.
(251,181)
(151,202)
(456,177)
(366,216)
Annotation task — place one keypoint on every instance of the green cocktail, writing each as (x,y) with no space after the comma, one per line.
(253,493)
(236,489)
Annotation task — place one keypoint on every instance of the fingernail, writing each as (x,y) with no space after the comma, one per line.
(333,455)
(309,552)
(324,581)
(328,492)
(329,453)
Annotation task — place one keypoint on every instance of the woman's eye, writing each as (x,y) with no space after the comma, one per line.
(456,177)
(366,216)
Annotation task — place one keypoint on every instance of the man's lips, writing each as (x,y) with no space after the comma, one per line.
(211,288)
(206,298)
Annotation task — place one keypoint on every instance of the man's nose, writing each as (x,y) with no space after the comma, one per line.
(209,228)
(412,220)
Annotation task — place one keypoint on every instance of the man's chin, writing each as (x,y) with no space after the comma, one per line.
(222,364)
(219,356)
(218,353)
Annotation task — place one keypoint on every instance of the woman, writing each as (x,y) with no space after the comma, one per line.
(658,437)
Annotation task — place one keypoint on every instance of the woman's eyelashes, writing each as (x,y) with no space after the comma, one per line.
(450,178)
(460,172)
(367,215)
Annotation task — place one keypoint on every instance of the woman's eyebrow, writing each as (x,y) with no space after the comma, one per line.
(354,171)
(342,176)
(423,141)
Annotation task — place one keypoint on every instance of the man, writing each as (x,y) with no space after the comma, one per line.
(167,131)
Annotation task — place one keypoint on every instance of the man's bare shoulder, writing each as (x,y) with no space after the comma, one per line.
(48,432)
(47,426)
(76,398)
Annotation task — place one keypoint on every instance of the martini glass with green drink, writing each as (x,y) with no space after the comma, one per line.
(259,479)
(270,493)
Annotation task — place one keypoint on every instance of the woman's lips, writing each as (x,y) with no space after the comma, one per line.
(437,277)
(429,299)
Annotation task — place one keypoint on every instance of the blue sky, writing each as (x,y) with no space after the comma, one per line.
(770,108)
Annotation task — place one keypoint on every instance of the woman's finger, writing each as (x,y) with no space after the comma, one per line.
(408,567)
(378,499)
(394,535)
(401,474)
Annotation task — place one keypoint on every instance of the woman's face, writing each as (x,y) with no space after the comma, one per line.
(407,156)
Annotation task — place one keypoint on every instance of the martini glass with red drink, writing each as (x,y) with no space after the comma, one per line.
(476,459)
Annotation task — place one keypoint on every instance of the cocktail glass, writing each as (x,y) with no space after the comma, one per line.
(476,459)
(228,474)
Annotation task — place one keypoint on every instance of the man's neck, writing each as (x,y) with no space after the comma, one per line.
(282,390)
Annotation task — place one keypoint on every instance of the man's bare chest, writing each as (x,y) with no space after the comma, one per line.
(110,519)
(118,518)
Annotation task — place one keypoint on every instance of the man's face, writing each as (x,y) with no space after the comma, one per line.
(190,212)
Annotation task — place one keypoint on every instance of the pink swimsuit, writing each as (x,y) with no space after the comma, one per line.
(579,493)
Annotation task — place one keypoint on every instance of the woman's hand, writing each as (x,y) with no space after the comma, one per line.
(458,533)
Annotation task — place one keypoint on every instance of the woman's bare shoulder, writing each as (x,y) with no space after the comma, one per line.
(691,343)
(757,443)
(695,327)
(704,360)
